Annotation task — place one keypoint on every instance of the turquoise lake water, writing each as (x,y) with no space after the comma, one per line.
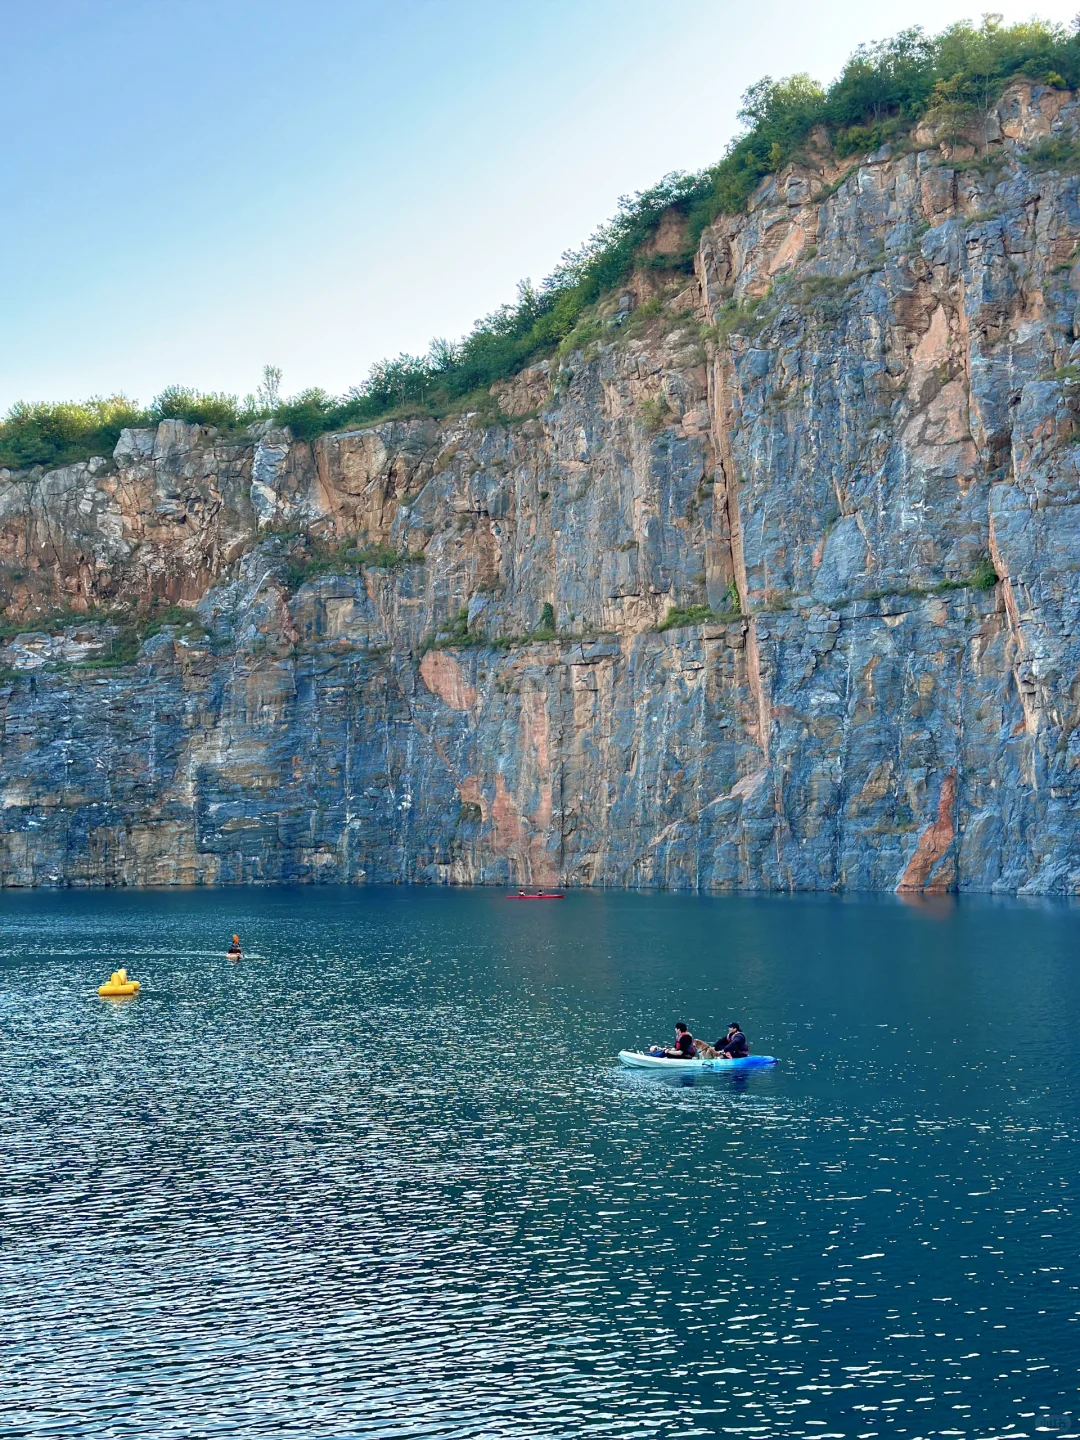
(386,1178)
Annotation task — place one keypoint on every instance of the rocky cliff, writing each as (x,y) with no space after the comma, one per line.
(768,580)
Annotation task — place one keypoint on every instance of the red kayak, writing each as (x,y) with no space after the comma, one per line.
(541,895)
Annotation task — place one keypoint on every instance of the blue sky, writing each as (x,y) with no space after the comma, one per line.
(195,188)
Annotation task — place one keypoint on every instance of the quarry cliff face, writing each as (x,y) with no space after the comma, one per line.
(844,454)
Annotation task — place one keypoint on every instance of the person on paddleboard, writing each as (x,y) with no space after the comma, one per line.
(733,1046)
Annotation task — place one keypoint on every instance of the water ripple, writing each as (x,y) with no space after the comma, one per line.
(388,1181)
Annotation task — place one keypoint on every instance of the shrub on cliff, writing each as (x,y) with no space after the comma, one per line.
(879,93)
(503,342)
(307,414)
(681,615)
(58,434)
(883,88)
(177,402)
(43,433)
(984,576)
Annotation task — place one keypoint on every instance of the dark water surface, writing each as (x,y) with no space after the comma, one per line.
(387,1178)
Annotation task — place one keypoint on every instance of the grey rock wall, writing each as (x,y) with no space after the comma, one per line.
(852,435)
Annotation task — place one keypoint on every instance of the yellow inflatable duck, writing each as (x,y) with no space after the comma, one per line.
(118,985)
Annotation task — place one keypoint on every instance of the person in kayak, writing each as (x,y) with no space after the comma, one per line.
(683,1049)
(234,949)
(733,1046)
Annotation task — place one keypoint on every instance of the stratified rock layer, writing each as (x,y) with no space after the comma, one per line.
(860,412)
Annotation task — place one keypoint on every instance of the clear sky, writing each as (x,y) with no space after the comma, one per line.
(195,188)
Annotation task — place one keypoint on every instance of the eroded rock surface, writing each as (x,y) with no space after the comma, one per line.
(851,435)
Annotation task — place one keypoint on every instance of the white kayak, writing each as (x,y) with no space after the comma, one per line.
(638,1060)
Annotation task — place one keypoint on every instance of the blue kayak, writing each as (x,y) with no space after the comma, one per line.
(638,1060)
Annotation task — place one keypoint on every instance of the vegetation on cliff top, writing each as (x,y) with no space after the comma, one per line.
(881,91)
(44,434)
(47,434)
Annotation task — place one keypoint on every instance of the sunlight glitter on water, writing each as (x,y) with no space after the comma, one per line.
(390,1181)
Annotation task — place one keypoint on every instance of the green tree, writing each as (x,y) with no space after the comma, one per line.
(268,394)
(178,402)
(40,433)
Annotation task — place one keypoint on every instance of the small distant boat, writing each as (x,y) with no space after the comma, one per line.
(638,1060)
(538,895)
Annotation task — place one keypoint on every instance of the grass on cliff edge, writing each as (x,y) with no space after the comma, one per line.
(133,628)
(310,559)
(456,635)
(878,95)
